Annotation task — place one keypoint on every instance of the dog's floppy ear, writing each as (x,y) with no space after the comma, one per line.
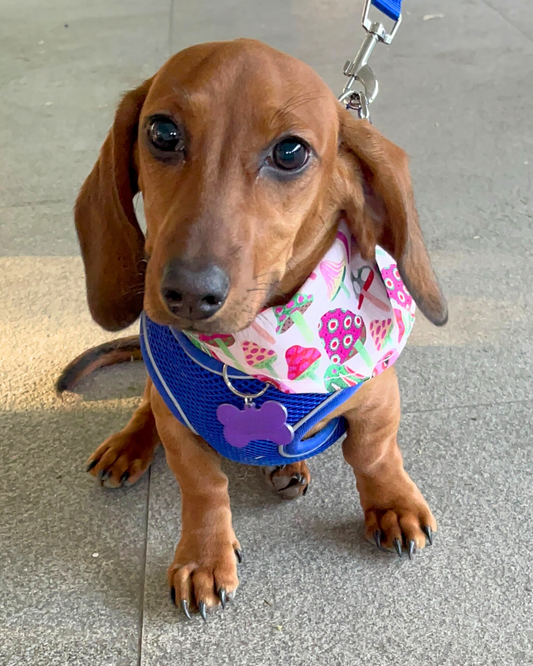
(384,212)
(111,241)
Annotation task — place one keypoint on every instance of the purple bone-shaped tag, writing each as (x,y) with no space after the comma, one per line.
(244,426)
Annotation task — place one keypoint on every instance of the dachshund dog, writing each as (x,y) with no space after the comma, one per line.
(236,223)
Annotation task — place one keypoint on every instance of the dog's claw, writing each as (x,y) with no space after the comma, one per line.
(398,547)
(91,465)
(412,549)
(239,555)
(104,475)
(377,539)
(304,492)
(222,595)
(124,477)
(429,534)
(202,609)
(185,608)
(183,603)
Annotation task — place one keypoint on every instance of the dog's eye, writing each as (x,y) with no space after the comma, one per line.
(290,154)
(165,135)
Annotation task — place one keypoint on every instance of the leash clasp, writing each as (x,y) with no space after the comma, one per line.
(378,29)
(358,70)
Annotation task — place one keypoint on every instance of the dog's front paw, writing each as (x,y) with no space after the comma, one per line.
(289,481)
(122,459)
(396,514)
(203,574)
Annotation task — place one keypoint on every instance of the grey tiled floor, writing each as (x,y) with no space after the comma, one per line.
(83,569)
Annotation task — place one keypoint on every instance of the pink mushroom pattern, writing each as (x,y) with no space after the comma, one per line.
(302,361)
(220,341)
(263,333)
(395,287)
(383,363)
(343,334)
(275,382)
(259,357)
(292,313)
(380,330)
(401,325)
(339,377)
(333,273)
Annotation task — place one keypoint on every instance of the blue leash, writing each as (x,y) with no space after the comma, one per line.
(391,8)
(362,87)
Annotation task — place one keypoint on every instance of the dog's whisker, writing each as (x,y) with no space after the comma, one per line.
(138,291)
(237,249)
(269,272)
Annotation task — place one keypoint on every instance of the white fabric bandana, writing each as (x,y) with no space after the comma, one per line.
(348,322)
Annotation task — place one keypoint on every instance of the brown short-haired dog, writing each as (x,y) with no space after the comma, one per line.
(197,140)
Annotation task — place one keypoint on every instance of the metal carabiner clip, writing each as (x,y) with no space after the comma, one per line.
(359,71)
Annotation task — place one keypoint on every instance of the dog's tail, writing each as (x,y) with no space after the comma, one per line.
(109,353)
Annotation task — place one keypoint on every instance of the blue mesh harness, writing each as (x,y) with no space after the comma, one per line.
(192,386)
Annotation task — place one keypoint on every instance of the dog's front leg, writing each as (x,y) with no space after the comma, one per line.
(396,514)
(204,571)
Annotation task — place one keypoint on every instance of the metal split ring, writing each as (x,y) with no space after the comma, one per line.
(356,101)
(246,396)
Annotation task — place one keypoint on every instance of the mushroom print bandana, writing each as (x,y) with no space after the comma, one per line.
(348,322)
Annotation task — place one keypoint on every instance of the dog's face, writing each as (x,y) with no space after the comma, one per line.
(241,183)
(246,161)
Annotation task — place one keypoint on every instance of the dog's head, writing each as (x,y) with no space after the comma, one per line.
(246,162)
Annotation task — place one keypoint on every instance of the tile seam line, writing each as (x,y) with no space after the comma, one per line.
(38,202)
(469,406)
(506,20)
(143,572)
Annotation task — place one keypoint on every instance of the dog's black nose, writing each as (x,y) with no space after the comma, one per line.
(194,294)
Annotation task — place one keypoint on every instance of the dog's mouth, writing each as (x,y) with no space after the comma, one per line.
(241,308)
(225,323)
(233,318)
